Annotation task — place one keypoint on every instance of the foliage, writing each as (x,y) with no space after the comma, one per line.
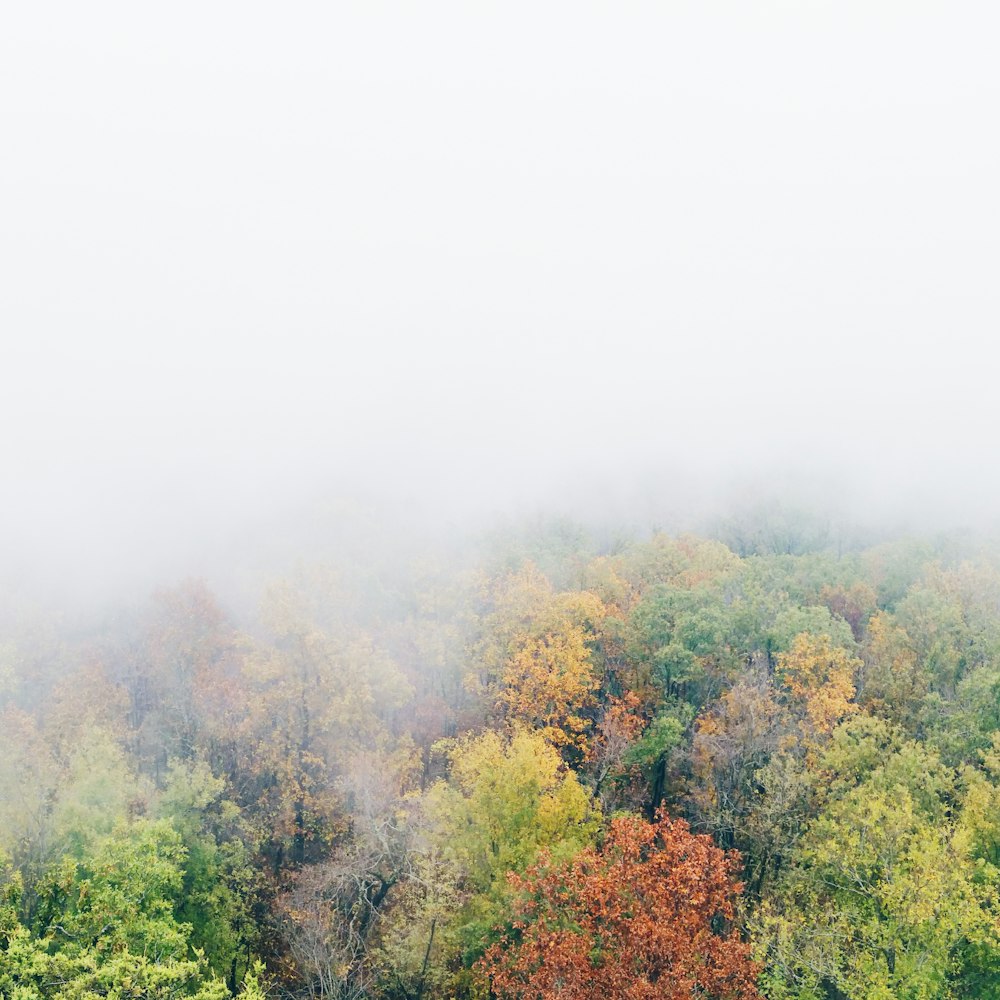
(885,896)
(550,677)
(639,918)
(507,798)
(820,679)
(343,780)
(106,927)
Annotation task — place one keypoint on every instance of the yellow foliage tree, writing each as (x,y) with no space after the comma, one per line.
(820,679)
(550,678)
(508,798)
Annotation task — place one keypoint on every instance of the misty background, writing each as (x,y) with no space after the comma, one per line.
(265,268)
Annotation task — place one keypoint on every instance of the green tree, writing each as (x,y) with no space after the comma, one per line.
(885,898)
(223,896)
(106,927)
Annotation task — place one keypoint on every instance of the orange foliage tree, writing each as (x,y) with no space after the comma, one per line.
(648,917)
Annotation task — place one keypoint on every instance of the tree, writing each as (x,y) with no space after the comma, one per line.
(649,917)
(885,896)
(508,797)
(315,700)
(895,682)
(332,911)
(685,561)
(611,764)
(820,677)
(223,896)
(550,674)
(731,744)
(106,928)
(855,603)
(58,798)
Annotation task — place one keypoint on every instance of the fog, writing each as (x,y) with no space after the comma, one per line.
(459,261)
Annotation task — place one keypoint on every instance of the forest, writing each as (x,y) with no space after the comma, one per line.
(747,763)
(496,500)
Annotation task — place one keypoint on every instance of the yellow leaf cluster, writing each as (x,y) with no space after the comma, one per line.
(820,677)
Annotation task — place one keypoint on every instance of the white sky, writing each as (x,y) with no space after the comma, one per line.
(483,251)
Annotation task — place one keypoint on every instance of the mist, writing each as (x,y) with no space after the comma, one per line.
(499,500)
(458,262)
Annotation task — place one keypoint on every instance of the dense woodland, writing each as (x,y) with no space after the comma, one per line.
(749,763)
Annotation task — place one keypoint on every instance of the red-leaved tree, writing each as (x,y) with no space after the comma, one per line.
(648,916)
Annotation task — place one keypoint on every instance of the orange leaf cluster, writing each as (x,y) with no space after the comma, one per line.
(639,919)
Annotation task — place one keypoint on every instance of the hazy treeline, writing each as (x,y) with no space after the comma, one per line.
(422,777)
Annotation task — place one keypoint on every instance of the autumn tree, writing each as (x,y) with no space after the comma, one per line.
(550,678)
(612,764)
(685,562)
(855,603)
(510,605)
(895,682)
(57,798)
(315,699)
(168,662)
(820,678)
(741,788)
(654,752)
(507,798)
(649,915)
(539,661)
(332,911)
